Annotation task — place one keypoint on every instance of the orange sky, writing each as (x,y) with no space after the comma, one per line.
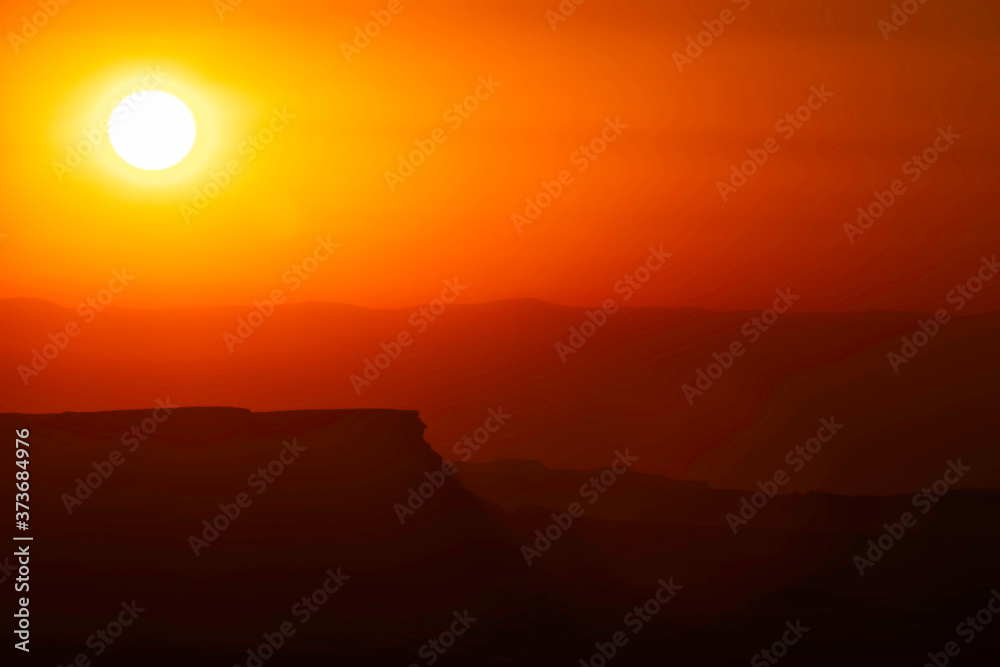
(324,174)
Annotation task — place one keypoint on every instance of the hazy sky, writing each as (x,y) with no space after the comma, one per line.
(346,114)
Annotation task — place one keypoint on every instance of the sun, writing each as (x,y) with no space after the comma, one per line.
(152,130)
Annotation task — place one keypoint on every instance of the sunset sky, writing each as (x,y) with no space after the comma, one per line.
(345,119)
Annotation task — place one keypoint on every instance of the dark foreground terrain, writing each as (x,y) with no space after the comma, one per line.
(320,530)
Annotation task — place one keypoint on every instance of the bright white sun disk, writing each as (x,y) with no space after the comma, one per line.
(152,130)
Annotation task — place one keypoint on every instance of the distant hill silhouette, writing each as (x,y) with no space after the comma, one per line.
(622,388)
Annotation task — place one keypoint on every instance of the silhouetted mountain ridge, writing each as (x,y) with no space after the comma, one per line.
(628,383)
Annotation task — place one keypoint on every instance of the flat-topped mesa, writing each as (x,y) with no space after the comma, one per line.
(724,388)
(175,500)
(174,466)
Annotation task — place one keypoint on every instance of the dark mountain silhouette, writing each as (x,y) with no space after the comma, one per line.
(332,508)
(622,388)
